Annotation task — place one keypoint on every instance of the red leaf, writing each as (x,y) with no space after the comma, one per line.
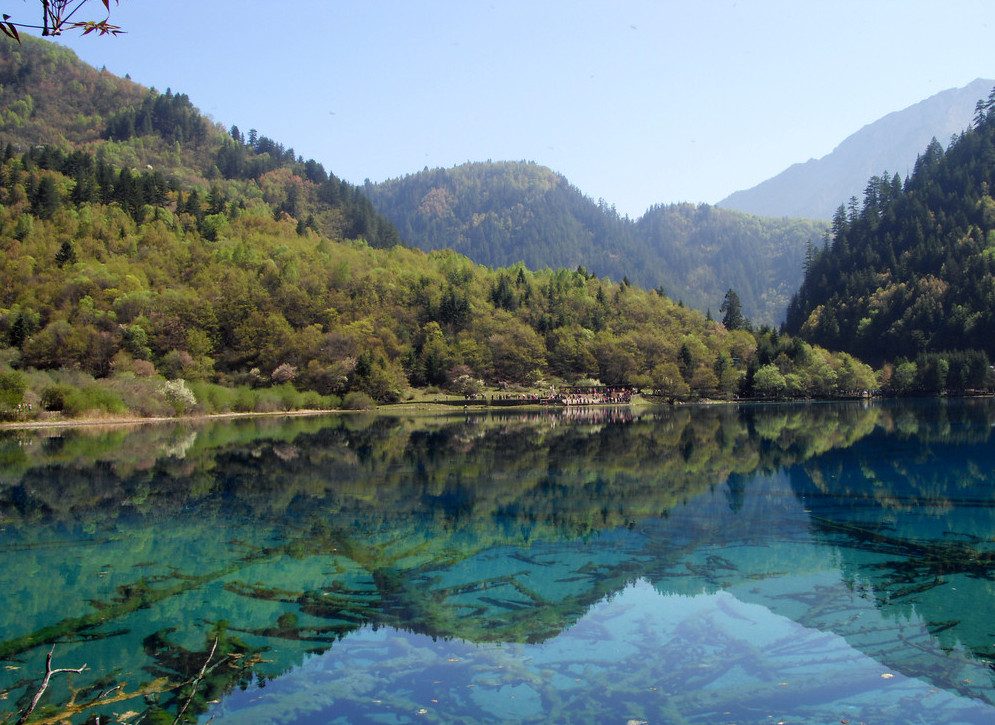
(10,31)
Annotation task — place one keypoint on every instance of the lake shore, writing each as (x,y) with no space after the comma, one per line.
(424,406)
(88,421)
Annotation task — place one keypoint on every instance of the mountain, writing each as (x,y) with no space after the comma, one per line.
(506,212)
(699,252)
(54,105)
(910,274)
(816,188)
(500,213)
(153,263)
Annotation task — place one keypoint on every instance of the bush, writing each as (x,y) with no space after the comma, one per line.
(269,400)
(358,401)
(75,402)
(213,398)
(284,373)
(141,395)
(53,397)
(290,398)
(13,384)
(178,395)
(312,400)
(245,400)
(467,385)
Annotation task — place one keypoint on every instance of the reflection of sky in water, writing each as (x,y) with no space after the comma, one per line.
(638,656)
(693,568)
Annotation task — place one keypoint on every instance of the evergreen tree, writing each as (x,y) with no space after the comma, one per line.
(732,312)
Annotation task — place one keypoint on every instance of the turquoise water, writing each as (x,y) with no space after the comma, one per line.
(756,564)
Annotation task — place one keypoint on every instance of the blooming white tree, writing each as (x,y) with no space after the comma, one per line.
(179,395)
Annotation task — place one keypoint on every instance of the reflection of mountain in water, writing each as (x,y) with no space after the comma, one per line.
(499,529)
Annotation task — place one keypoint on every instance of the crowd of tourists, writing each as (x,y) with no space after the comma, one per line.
(576,414)
(592,396)
(569,397)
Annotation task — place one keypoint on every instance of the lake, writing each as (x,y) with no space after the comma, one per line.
(817,563)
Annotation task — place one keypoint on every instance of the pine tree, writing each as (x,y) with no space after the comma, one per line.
(732,310)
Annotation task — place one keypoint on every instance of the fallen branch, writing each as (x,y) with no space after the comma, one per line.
(153,688)
(44,684)
(196,681)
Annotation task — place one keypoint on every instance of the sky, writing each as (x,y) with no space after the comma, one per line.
(634,102)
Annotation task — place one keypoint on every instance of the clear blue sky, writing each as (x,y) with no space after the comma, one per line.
(635,102)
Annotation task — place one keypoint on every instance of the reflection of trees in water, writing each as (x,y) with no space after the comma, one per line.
(402,501)
(245,464)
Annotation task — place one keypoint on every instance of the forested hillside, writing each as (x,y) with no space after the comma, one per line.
(152,262)
(910,273)
(53,104)
(701,251)
(500,213)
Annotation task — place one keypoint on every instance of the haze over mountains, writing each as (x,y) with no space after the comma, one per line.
(816,188)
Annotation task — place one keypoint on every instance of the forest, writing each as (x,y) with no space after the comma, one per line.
(157,264)
(500,213)
(906,279)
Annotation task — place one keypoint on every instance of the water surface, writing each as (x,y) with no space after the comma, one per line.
(750,564)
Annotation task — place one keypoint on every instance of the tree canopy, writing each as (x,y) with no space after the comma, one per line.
(908,275)
(732,310)
(151,245)
(499,213)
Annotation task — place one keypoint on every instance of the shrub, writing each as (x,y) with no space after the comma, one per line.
(284,373)
(179,395)
(245,400)
(13,384)
(175,363)
(358,401)
(467,385)
(141,395)
(312,400)
(53,397)
(213,398)
(74,402)
(269,401)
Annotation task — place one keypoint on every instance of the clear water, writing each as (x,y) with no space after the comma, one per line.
(757,564)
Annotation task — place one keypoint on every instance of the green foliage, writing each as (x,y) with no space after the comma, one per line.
(910,270)
(358,401)
(932,373)
(54,397)
(13,385)
(732,312)
(88,399)
(769,382)
(154,265)
(502,213)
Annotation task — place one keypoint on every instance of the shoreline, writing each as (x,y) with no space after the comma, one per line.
(123,421)
(421,406)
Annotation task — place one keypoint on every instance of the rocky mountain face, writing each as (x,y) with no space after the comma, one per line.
(816,188)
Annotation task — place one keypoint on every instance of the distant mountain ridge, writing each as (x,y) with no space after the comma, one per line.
(816,188)
(500,213)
